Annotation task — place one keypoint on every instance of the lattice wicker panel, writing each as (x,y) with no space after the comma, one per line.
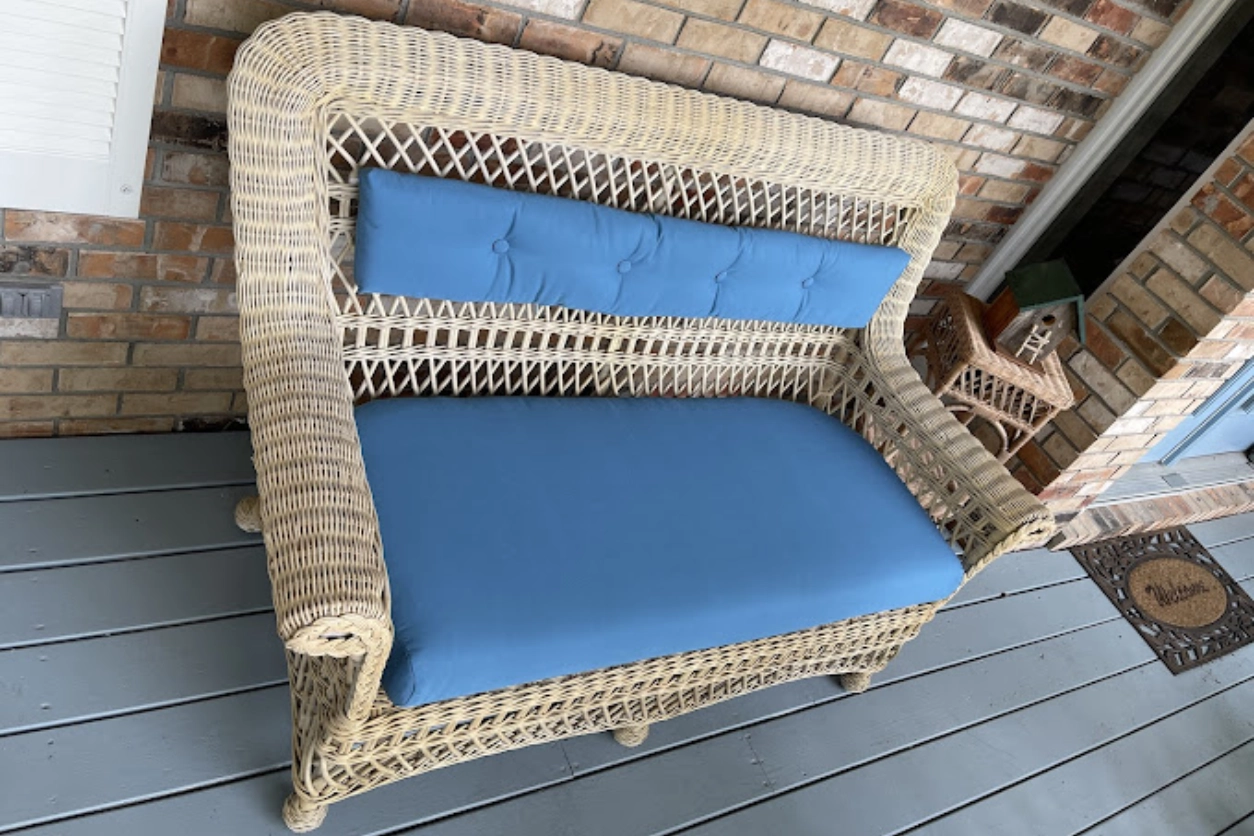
(397,345)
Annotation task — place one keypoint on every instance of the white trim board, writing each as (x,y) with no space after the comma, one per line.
(76,98)
(1189,34)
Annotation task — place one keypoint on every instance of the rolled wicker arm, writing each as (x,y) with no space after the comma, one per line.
(322,542)
(975,502)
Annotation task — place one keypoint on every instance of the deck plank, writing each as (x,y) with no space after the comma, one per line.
(41,468)
(1095,786)
(58,532)
(1212,533)
(1202,803)
(907,789)
(73,682)
(1019,572)
(76,769)
(75,602)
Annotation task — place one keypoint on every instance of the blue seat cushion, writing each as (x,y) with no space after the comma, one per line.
(447,239)
(527,538)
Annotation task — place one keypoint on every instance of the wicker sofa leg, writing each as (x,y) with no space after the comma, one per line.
(856,682)
(248,514)
(631,736)
(302,815)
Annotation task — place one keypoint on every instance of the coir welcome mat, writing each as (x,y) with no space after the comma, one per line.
(1186,607)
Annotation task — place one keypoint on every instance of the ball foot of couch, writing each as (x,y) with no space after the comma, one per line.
(631,736)
(301,815)
(248,514)
(855,683)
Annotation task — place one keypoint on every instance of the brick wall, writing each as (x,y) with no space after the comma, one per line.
(1164,333)
(147,340)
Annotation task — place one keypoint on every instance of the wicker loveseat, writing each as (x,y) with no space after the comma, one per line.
(316,98)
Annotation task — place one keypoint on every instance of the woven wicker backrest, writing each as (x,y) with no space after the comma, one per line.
(487,134)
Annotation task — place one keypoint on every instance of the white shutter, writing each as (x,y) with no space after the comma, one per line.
(76,87)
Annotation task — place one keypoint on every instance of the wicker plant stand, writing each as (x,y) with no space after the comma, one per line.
(314,98)
(974,379)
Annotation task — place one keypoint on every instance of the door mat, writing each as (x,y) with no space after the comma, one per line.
(1186,607)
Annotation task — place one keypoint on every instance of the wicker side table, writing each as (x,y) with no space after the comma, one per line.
(974,379)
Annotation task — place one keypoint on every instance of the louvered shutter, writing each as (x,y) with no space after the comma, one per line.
(76,88)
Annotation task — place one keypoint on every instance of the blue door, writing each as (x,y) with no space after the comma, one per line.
(1224,424)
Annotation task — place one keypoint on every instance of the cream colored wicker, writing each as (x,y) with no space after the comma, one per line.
(313,98)
(975,379)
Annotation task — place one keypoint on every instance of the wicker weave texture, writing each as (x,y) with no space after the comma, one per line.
(314,98)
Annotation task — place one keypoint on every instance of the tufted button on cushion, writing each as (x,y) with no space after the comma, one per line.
(720,276)
(808,282)
(442,239)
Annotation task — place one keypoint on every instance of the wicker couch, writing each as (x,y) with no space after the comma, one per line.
(314,98)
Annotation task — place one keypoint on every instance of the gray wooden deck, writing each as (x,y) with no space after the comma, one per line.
(142,691)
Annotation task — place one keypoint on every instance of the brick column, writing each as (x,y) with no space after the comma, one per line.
(1164,332)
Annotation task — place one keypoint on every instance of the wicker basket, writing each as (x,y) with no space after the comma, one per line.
(314,98)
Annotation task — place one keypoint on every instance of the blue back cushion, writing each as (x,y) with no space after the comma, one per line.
(447,239)
(527,538)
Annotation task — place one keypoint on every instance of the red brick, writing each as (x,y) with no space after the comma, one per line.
(1037,173)
(110,426)
(193,237)
(26,381)
(1111,83)
(223,271)
(50,353)
(213,379)
(178,403)
(1246,151)
(557,39)
(373,9)
(181,354)
(1141,343)
(195,169)
(186,204)
(907,18)
(64,228)
(1178,337)
(27,260)
(1116,18)
(26,429)
(1097,342)
(1243,190)
(96,295)
(663,65)
(218,329)
(1227,171)
(118,380)
(1070,68)
(1038,463)
(170,268)
(36,407)
(127,327)
(198,51)
(869,79)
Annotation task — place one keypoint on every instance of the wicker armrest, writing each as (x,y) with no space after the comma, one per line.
(322,541)
(974,500)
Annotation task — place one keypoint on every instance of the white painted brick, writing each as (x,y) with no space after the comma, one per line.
(568,9)
(943,270)
(927,60)
(857,9)
(32,328)
(933,94)
(998,165)
(799,60)
(995,139)
(957,34)
(1036,120)
(979,106)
